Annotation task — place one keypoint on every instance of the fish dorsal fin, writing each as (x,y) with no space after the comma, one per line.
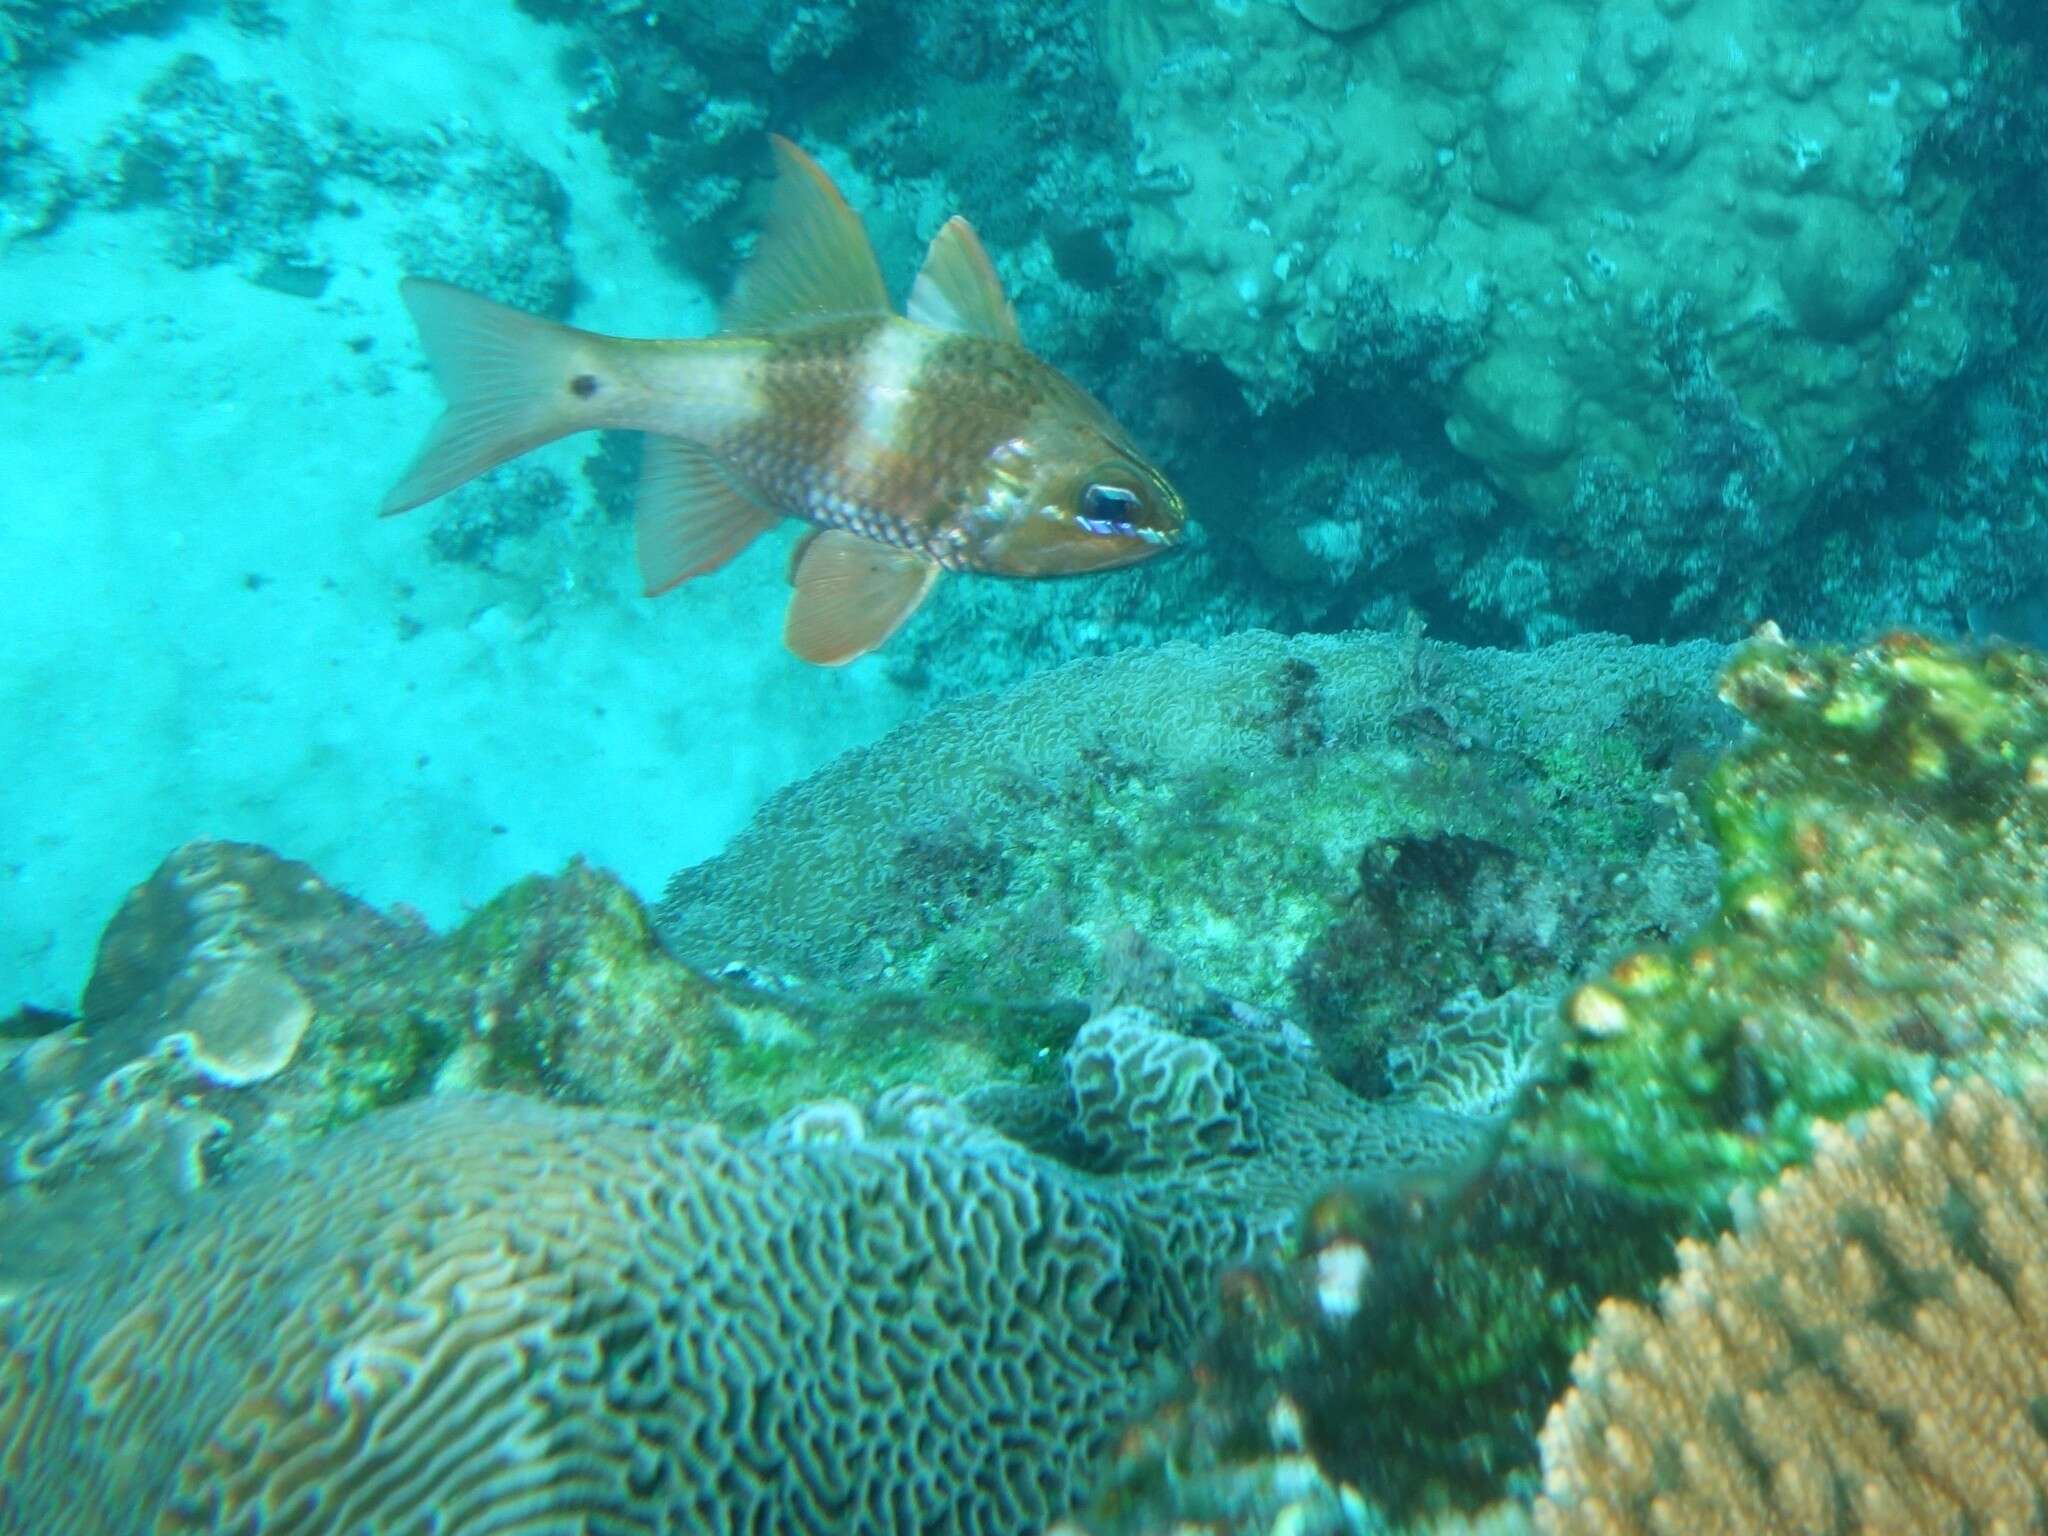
(851,595)
(813,260)
(958,289)
(690,517)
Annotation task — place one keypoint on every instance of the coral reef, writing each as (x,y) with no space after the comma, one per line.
(1376,1294)
(1934,529)
(550,1311)
(208,983)
(1868,1352)
(473,211)
(1881,844)
(1884,848)
(1362,831)
(35,32)
(1654,265)
(682,91)
(238,1002)
(1659,269)
(235,173)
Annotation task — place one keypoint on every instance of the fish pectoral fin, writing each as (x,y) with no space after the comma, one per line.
(691,517)
(851,595)
(510,380)
(958,290)
(812,261)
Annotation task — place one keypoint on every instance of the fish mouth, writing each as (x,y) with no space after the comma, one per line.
(1105,528)
(1142,544)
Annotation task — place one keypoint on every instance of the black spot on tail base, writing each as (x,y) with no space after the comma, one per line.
(583,386)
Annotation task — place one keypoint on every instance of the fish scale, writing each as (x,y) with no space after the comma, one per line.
(918,490)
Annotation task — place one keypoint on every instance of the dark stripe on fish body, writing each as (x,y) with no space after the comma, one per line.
(814,452)
(801,452)
(809,389)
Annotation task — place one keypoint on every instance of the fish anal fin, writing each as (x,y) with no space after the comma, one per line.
(690,518)
(813,261)
(958,290)
(508,377)
(851,595)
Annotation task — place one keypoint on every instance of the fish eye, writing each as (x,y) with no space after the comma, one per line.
(1110,510)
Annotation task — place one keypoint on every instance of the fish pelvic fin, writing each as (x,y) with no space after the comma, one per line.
(513,381)
(691,517)
(958,290)
(852,594)
(813,261)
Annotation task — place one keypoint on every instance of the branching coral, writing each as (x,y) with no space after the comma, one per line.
(1884,843)
(1869,1353)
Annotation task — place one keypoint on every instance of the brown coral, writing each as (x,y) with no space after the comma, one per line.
(1867,1353)
(483,1314)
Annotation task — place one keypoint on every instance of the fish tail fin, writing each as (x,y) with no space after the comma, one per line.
(513,382)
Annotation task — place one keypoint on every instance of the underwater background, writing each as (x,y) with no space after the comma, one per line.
(1500,987)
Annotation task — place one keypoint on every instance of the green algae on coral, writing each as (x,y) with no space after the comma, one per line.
(559,987)
(1404,1348)
(1884,891)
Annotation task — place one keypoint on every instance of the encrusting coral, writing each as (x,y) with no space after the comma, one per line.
(1884,898)
(462,1313)
(1360,830)
(1867,1353)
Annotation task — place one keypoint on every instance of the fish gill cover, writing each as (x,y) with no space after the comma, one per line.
(1207,1045)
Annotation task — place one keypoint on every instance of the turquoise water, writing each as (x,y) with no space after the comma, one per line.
(1198,960)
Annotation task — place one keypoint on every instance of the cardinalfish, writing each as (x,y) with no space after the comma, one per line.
(914,444)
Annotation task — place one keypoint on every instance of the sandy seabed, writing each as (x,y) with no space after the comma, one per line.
(209,633)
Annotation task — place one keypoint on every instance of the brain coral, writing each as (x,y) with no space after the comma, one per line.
(1511,202)
(484,1314)
(472,1315)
